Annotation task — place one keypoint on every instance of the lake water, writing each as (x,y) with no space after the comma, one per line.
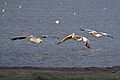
(59,18)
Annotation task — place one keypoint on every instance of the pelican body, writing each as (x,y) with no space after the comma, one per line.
(76,38)
(34,39)
(95,33)
(29,38)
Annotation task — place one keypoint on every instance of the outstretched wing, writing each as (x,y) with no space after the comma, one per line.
(105,34)
(18,38)
(46,36)
(81,29)
(64,39)
(89,30)
(43,36)
(86,41)
(54,37)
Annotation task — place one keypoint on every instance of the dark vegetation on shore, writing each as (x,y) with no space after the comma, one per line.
(63,73)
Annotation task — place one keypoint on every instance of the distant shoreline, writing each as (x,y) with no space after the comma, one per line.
(113,69)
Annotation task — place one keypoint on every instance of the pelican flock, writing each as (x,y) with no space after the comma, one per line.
(73,36)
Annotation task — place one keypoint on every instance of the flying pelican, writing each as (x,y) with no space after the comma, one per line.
(95,33)
(76,38)
(37,40)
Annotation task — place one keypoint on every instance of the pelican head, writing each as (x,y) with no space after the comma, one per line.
(29,37)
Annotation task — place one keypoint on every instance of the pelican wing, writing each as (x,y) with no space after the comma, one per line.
(65,39)
(87,44)
(46,36)
(110,36)
(43,36)
(89,30)
(81,29)
(18,38)
(105,34)
(54,37)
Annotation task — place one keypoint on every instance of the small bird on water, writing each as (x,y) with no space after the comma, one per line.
(37,40)
(96,34)
(76,38)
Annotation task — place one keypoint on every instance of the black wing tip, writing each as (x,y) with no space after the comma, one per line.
(17,38)
(110,36)
(56,37)
(88,45)
(81,29)
(13,39)
(46,36)
(58,43)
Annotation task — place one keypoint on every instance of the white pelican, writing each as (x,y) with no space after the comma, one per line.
(76,38)
(33,39)
(95,33)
